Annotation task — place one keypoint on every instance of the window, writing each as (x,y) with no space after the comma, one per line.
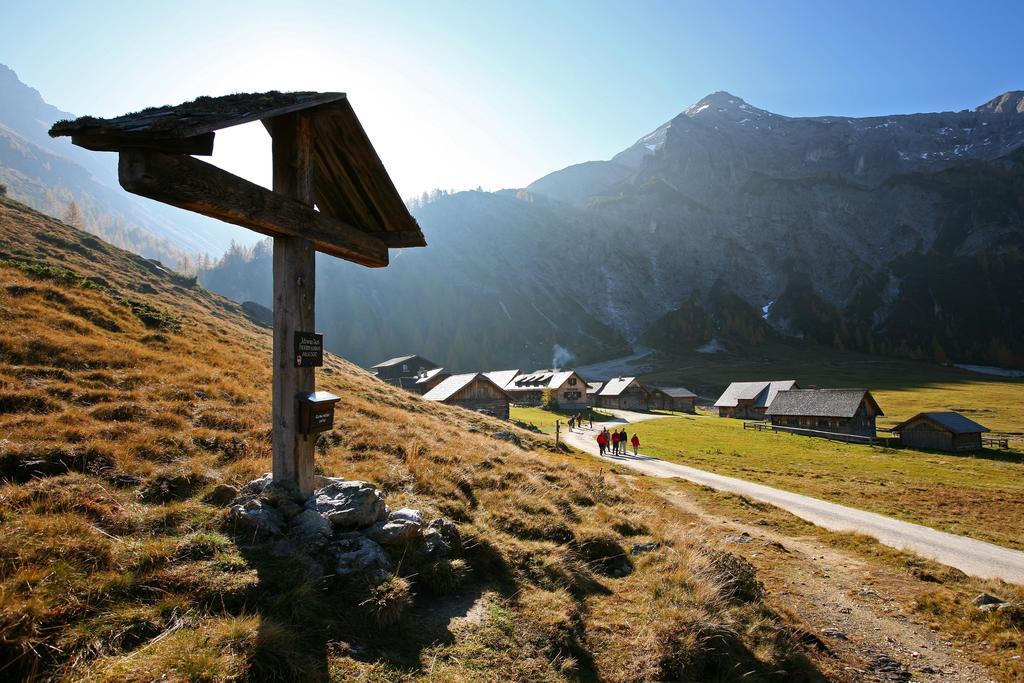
(572,381)
(405,367)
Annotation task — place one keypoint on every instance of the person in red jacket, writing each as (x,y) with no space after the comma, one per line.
(636,443)
(602,441)
(615,442)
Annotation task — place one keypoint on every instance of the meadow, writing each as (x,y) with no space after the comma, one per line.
(980,495)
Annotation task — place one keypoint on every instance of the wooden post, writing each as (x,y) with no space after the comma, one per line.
(294,294)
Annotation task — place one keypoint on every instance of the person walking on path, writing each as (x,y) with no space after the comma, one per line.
(572,421)
(636,444)
(615,442)
(602,442)
(623,440)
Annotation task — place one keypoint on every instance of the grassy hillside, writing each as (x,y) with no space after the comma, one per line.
(127,395)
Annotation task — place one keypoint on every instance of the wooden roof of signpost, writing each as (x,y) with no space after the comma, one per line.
(360,212)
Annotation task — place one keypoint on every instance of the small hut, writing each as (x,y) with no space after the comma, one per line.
(672,398)
(941,431)
(394,369)
(473,391)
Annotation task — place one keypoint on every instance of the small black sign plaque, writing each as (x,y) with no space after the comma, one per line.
(309,350)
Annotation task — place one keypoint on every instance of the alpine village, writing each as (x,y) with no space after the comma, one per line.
(488,342)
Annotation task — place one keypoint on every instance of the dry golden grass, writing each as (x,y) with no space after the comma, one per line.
(127,394)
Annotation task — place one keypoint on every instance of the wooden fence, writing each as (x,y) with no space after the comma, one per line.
(834,436)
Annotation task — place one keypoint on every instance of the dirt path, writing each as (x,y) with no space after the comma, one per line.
(851,603)
(971,556)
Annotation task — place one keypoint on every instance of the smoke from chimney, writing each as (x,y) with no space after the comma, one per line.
(560,357)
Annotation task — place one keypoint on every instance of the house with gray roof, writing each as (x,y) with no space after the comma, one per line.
(624,393)
(750,400)
(567,387)
(394,370)
(472,391)
(835,411)
(671,398)
(941,431)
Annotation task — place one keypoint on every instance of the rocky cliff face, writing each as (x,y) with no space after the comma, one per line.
(899,234)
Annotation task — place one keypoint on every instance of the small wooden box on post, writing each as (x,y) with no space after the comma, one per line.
(330,193)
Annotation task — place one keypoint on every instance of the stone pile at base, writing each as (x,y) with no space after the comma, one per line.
(346,526)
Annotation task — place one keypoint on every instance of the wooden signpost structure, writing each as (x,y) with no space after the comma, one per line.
(331,193)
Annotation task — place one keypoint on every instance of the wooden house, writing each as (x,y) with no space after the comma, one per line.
(672,398)
(408,368)
(429,379)
(567,387)
(750,400)
(473,391)
(837,411)
(941,431)
(625,393)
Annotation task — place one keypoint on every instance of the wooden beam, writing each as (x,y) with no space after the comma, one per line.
(195,185)
(294,298)
(201,145)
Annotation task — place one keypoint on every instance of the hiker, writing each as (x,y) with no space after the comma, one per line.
(572,420)
(602,442)
(636,444)
(623,440)
(615,442)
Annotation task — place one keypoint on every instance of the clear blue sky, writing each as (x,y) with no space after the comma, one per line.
(460,94)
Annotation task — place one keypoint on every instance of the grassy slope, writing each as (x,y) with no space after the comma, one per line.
(978,496)
(149,392)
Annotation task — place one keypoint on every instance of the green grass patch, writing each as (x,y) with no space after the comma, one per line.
(975,495)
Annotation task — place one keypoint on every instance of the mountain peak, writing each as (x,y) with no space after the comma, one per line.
(724,104)
(1010,102)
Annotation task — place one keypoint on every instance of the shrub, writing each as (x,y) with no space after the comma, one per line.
(548,400)
(389,601)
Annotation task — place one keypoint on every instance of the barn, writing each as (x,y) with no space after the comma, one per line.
(941,431)
(750,400)
(473,391)
(672,398)
(625,393)
(403,370)
(837,411)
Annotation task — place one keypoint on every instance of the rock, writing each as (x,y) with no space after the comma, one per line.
(741,538)
(289,508)
(221,495)
(256,518)
(350,504)
(449,533)
(277,492)
(888,669)
(393,532)
(256,486)
(641,548)
(322,481)
(166,487)
(310,530)
(406,515)
(834,633)
(984,599)
(356,554)
(435,547)
(510,437)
